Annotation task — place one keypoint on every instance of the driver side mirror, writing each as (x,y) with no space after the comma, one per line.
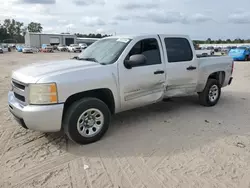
(135,60)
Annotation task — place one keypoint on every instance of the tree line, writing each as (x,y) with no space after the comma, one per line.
(12,31)
(90,35)
(220,41)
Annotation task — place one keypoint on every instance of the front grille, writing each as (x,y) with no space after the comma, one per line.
(20,86)
(19,90)
(19,97)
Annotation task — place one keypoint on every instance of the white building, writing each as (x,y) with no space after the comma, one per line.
(37,39)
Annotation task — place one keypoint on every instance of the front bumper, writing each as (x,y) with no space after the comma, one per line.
(44,118)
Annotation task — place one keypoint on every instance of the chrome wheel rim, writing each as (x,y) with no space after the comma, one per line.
(213,93)
(90,122)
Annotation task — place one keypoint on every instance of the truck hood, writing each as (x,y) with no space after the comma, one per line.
(34,72)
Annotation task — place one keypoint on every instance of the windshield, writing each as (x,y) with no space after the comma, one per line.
(105,51)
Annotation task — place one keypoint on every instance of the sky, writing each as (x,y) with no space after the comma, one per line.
(201,19)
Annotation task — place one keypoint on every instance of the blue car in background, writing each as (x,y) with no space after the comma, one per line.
(19,48)
(241,53)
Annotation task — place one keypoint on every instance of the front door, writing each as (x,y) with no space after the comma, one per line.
(182,66)
(142,85)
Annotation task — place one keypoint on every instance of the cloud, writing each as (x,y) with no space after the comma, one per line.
(121,18)
(112,22)
(92,21)
(164,17)
(132,6)
(37,1)
(62,21)
(71,26)
(199,18)
(48,29)
(150,16)
(88,2)
(239,18)
(100,30)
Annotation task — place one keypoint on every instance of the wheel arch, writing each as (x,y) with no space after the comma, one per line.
(219,75)
(104,94)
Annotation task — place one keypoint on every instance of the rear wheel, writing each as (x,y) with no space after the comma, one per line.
(246,58)
(86,120)
(211,93)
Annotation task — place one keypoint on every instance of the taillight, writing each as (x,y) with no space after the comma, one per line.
(232,67)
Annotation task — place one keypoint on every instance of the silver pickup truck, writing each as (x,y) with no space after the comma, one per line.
(112,75)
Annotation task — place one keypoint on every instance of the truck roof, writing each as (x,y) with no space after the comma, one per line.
(140,35)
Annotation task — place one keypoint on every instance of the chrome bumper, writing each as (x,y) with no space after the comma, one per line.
(45,118)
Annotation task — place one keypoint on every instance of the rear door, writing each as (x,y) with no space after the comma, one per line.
(182,65)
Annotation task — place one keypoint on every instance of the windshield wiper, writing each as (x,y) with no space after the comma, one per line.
(88,59)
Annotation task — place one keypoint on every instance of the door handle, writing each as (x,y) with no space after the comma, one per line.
(191,68)
(159,72)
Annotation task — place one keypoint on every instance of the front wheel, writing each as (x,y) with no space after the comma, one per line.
(211,93)
(86,120)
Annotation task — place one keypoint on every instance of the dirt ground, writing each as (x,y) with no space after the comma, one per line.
(170,144)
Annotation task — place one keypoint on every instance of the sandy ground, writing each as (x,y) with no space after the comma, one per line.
(169,144)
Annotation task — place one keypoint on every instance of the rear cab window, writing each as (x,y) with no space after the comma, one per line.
(178,49)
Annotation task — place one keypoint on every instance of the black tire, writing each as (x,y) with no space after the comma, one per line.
(204,95)
(76,110)
(246,58)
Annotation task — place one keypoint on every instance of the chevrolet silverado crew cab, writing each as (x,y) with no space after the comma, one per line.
(112,75)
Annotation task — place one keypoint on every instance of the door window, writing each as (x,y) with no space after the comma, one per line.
(149,48)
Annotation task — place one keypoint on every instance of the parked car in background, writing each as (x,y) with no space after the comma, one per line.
(204,52)
(241,53)
(3,48)
(19,48)
(217,49)
(133,71)
(47,48)
(74,48)
(62,47)
(225,51)
(83,45)
(54,47)
(28,49)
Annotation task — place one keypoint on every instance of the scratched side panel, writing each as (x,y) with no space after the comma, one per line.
(144,91)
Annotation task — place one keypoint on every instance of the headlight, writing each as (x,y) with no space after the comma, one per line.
(43,93)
